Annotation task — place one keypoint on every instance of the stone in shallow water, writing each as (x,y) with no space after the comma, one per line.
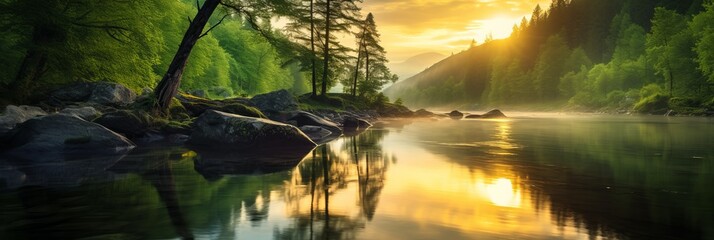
(14,115)
(65,133)
(225,130)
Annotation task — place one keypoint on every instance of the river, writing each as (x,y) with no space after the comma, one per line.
(532,176)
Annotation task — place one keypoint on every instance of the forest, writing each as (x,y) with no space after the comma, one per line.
(46,44)
(583,55)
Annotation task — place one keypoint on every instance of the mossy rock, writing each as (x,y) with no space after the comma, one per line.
(195,106)
(653,104)
(240,109)
(127,122)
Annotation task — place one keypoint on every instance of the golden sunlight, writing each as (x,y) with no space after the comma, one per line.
(498,28)
(502,193)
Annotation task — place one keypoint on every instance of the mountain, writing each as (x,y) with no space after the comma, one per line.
(581,54)
(415,64)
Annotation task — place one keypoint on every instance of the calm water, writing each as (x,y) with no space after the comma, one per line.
(528,177)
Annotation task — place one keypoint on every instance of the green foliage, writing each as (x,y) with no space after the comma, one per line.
(703,30)
(131,42)
(654,103)
(599,61)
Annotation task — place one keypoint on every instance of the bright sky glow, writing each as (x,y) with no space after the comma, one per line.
(410,27)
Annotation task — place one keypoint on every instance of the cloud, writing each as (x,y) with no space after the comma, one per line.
(442,25)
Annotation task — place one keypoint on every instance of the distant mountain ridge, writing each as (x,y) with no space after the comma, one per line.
(415,64)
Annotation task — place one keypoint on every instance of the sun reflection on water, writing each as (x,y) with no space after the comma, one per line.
(502,193)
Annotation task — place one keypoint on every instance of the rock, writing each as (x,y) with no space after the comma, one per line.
(86,113)
(278,101)
(456,114)
(303,118)
(14,115)
(316,133)
(393,110)
(225,130)
(65,133)
(354,124)
(423,113)
(197,106)
(104,93)
(79,92)
(495,113)
(128,123)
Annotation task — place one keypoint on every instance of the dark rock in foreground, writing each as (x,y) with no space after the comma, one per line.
(64,133)
(14,115)
(128,123)
(274,102)
(456,114)
(86,113)
(197,106)
(103,93)
(495,113)
(225,130)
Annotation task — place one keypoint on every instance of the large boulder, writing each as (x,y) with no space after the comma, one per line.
(302,118)
(355,124)
(394,110)
(14,115)
(112,94)
(278,101)
(456,114)
(65,133)
(129,123)
(103,93)
(318,134)
(423,113)
(86,113)
(225,130)
(198,105)
(495,113)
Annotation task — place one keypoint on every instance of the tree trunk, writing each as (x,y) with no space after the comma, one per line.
(326,64)
(312,47)
(169,84)
(366,67)
(359,56)
(33,64)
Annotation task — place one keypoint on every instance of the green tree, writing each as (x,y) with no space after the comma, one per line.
(550,67)
(339,17)
(669,47)
(54,42)
(703,30)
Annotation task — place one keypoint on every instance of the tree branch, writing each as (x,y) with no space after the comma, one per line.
(212,27)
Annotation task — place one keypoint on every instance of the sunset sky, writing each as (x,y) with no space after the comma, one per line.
(410,27)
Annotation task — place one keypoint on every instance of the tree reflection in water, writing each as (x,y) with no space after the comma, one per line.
(352,167)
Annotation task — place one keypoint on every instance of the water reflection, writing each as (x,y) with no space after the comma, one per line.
(514,178)
(325,188)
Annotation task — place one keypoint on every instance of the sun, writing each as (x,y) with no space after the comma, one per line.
(498,27)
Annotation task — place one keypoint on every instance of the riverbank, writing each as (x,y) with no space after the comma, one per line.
(110,117)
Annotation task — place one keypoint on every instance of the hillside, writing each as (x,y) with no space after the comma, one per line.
(415,64)
(581,54)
